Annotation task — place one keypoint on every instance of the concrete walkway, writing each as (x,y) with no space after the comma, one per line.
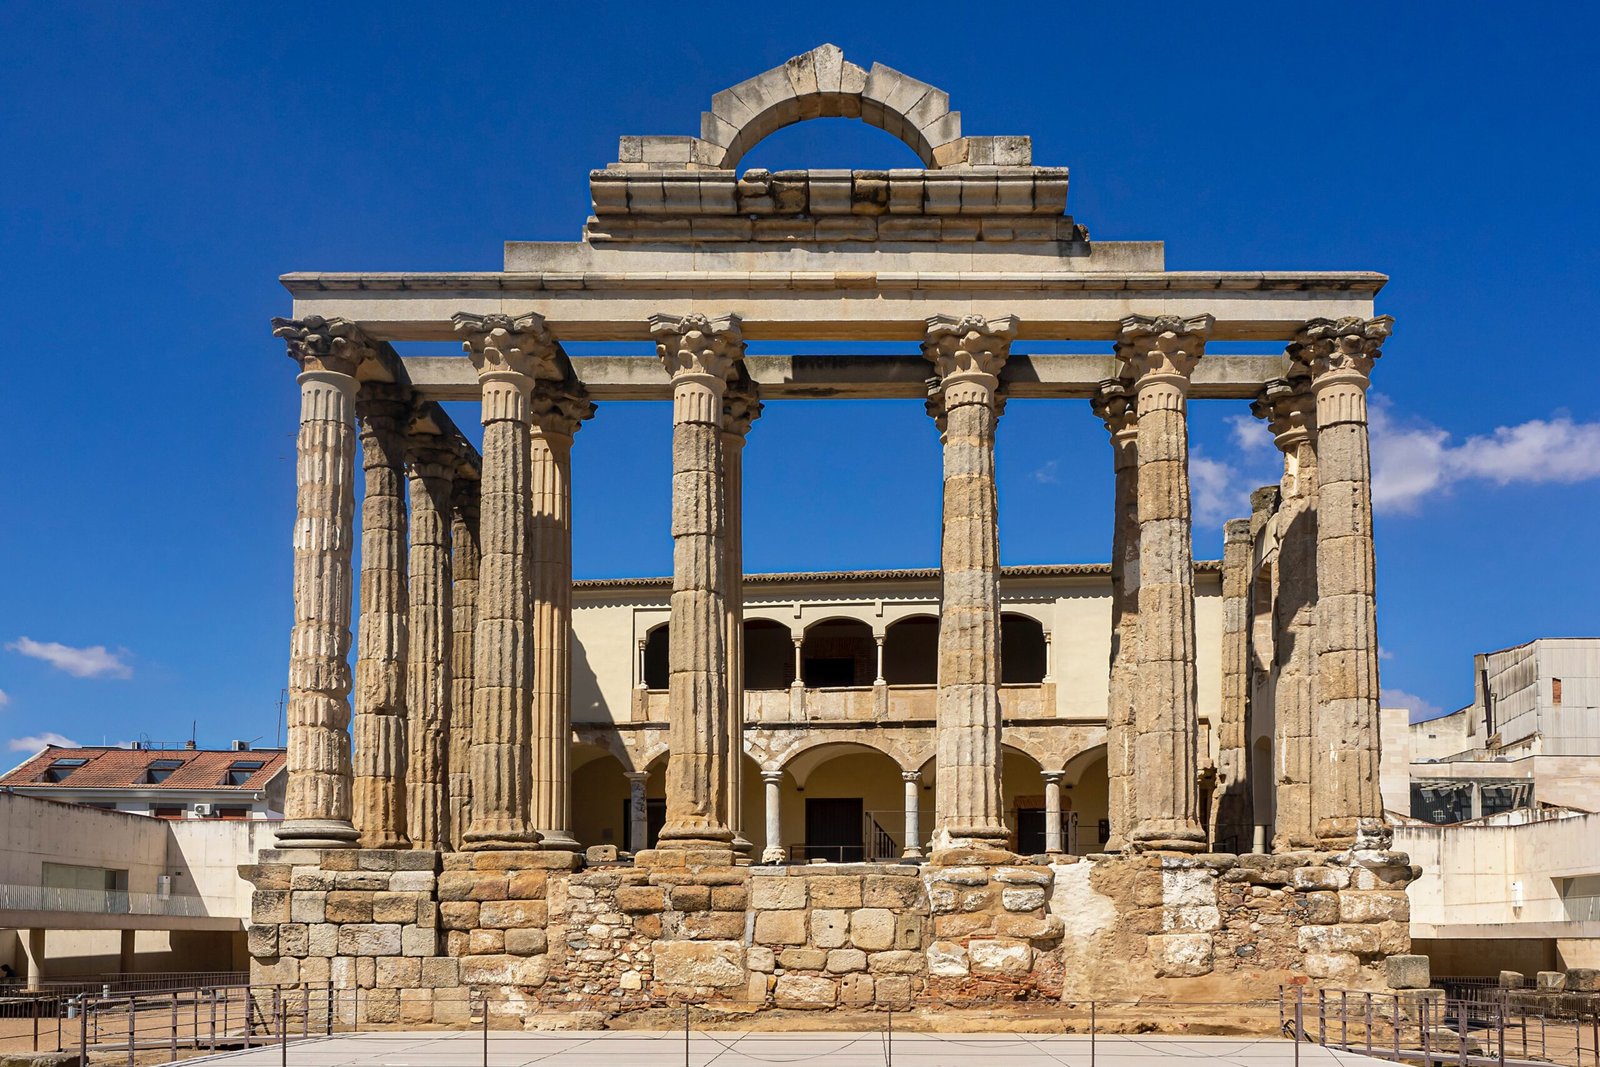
(735,1049)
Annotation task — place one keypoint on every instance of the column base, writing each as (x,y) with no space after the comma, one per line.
(775,854)
(499,841)
(316,833)
(558,840)
(743,845)
(1168,841)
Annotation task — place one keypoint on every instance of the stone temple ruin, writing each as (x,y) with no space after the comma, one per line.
(428,847)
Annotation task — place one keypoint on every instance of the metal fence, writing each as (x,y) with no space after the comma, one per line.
(99,901)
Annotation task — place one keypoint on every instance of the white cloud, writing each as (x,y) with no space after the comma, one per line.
(93,662)
(1412,459)
(1046,474)
(1249,433)
(1220,491)
(34,744)
(1417,708)
(5,698)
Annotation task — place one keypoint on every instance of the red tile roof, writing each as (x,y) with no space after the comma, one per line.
(113,768)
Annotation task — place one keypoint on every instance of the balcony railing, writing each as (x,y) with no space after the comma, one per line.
(99,901)
(862,703)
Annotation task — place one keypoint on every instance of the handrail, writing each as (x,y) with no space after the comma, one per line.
(99,901)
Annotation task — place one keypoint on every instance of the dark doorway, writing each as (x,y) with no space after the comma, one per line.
(833,829)
(655,817)
(1030,831)
(830,673)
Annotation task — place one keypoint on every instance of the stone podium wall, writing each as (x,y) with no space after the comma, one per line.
(549,941)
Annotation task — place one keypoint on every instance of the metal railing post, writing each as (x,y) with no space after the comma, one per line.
(1397,1027)
(1344,1019)
(174,1043)
(1093,1032)
(1369,1024)
(888,1048)
(1322,1017)
(83,1030)
(131,1009)
(1461,1032)
(1424,1033)
(282,1007)
(1299,1021)
(330,1009)
(35,1007)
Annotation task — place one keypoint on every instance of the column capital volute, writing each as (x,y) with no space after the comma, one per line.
(559,408)
(911,776)
(334,346)
(1162,349)
(516,349)
(1114,403)
(741,405)
(1289,409)
(772,777)
(1343,348)
(968,349)
(697,346)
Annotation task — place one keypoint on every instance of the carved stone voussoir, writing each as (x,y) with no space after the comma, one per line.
(505,344)
(317,343)
(698,344)
(1163,345)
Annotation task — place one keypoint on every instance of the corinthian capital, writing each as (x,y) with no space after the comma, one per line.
(968,346)
(1289,409)
(503,345)
(1114,403)
(741,405)
(317,343)
(1163,347)
(1328,346)
(696,345)
(559,408)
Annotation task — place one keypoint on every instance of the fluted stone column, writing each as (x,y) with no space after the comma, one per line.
(509,355)
(913,815)
(317,805)
(1290,411)
(1345,744)
(1159,354)
(382,638)
(967,355)
(775,852)
(1231,810)
(700,355)
(1114,403)
(638,810)
(741,406)
(429,685)
(464,620)
(558,410)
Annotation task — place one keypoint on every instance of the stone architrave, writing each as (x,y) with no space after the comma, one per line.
(317,801)
(1232,815)
(1115,404)
(1345,745)
(967,354)
(700,354)
(379,735)
(1290,413)
(464,621)
(509,355)
(741,406)
(1159,354)
(431,466)
(559,409)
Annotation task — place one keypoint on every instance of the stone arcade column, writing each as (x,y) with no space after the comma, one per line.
(508,354)
(464,618)
(381,636)
(1052,811)
(967,354)
(741,406)
(1159,354)
(1344,733)
(775,852)
(317,806)
(700,354)
(429,686)
(558,411)
(638,810)
(1114,403)
(1290,411)
(913,846)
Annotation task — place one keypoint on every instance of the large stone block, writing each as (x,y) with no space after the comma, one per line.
(262,940)
(1373,906)
(439,973)
(1331,966)
(713,925)
(526,942)
(839,891)
(504,970)
(343,906)
(872,929)
(394,907)
(947,959)
(893,991)
(856,990)
(459,914)
(419,940)
(802,959)
(412,882)
(781,928)
(1023,898)
(888,891)
(1181,955)
(718,964)
(798,992)
(641,898)
(845,960)
(830,927)
(1361,940)
(1407,972)
(294,940)
(527,885)
(777,893)
(500,914)
(398,972)
(370,939)
(898,961)
(1000,958)
(1551,981)
(269,907)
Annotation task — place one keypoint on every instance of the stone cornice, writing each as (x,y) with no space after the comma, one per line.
(916,574)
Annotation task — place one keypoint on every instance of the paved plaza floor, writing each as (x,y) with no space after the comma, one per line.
(736,1049)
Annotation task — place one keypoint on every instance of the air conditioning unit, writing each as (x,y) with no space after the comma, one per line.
(239,746)
(163,886)
(205,811)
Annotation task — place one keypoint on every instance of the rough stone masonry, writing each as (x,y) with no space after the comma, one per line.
(439,857)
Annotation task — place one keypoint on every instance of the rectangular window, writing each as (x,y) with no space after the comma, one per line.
(61,768)
(241,771)
(161,770)
(1555,691)
(233,813)
(167,811)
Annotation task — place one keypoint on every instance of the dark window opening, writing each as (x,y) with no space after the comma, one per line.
(911,651)
(768,655)
(838,653)
(655,658)
(1022,651)
(241,772)
(61,768)
(161,770)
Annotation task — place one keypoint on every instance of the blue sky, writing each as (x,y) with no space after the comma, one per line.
(164,163)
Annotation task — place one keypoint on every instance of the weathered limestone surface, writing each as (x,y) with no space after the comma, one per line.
(464,620)
(1231,810)
(429,685)
(558,410)
(1290,412)
(1116,404)
(699,354)
(317,807)
(1159,354)
(967,355)
(509,355)
(1345,742)
(741,406)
